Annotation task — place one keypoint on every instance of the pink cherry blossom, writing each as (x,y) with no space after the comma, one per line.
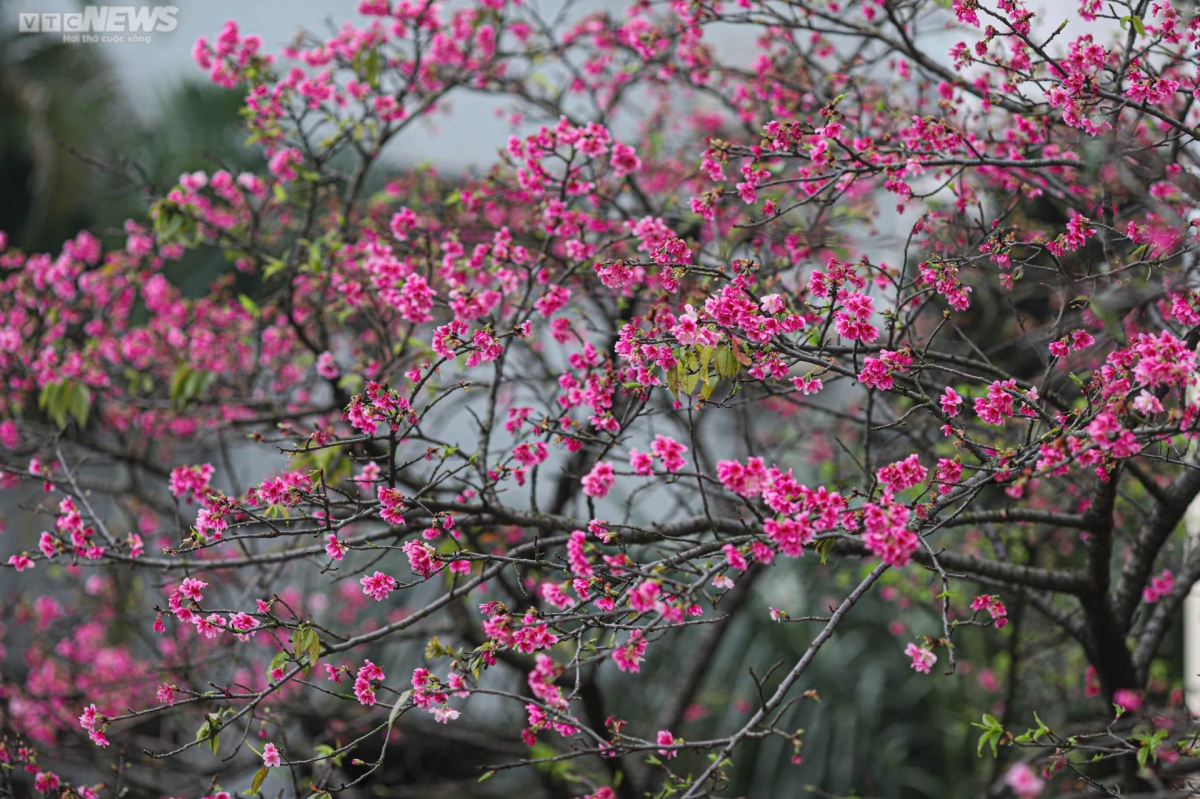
(378,586)
(271,757)
(922,659)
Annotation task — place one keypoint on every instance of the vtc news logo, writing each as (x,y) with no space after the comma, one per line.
(101,20)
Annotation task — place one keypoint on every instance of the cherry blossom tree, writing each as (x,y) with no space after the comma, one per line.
(898,288)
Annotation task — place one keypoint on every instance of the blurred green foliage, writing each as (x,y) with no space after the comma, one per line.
(77,152)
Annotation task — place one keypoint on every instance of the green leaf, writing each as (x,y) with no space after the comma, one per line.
(259,776)
(1150,743)
(992,733)
(727,362)
(1136,21)
(44,397)
(542,751)
(207,734)
(80,403)
(54,399)
(673,378)
(1042,728)
(487,775)
(691,373)
(250,305)
(398,707)
(706,354)
(274,266)
(167,226)
(180,376)
(824,547)
(372,71)
(277,662)
(351,384)
(193,386)
(314,648)
(299,640)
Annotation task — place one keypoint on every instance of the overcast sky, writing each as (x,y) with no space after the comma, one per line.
(470,136)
